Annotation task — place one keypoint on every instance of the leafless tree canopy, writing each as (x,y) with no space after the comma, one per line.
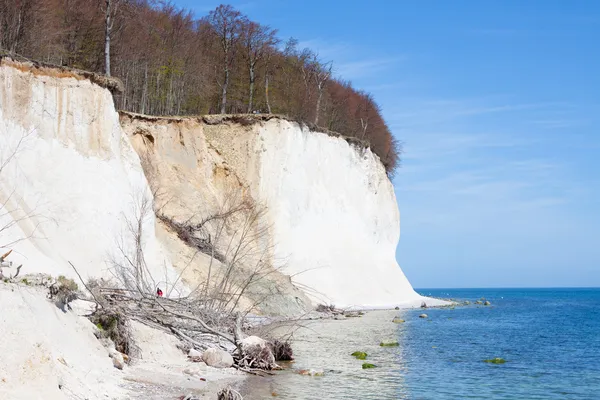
(172,63)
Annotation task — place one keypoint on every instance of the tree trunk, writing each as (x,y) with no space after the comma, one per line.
(267,92)
(13,48)
(251,94)
(224,93)
(107,28)
(318,106)
(145,89)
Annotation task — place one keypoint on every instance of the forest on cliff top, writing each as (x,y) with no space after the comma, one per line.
(173,63)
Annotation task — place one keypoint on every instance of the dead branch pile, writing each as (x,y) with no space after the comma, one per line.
(184,317)
(282,351)
(63,292)
(257,357)
(8,264)
(115,325)
(193,235)
(229,394)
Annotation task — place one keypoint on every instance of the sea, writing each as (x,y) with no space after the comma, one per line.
(548,338)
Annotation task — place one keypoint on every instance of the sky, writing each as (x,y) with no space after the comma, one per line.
(497,104)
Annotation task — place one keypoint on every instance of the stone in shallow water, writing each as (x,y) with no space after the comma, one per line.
(423,316)
(311,372)
(361,355)
(496,360)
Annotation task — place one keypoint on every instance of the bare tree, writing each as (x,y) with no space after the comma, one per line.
(322,75)
(110,10)
(258,39)
(226,23)
(15,21)
(129,265)
(268,71)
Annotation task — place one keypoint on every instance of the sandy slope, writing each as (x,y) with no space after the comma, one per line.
(49,354)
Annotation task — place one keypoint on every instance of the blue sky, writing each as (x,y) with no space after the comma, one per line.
(498,106)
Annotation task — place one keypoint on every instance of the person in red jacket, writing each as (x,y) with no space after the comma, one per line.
(159,292)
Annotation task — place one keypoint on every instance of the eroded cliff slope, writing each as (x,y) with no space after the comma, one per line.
(330,209)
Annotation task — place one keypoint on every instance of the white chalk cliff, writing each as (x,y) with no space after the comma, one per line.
(70,181)
(334,216)
(76,179)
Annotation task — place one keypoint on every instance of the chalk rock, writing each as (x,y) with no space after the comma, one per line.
(197,370)
(117,359)
(193,353)
(312,372)
(217,358)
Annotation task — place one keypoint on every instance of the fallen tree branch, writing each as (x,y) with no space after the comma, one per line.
(253,371)
(189,339)
(98,304)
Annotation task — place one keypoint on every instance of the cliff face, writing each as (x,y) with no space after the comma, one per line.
(71,184)
(334,216)
(330,209)
(323,225)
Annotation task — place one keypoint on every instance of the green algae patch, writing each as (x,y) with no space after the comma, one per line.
(390,344)
(368,366)
(360,355)
(496,360)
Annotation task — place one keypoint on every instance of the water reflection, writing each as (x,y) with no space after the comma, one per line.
(327,345)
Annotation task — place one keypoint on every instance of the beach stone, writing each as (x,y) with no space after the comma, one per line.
(312,372)
(396,308)
(466,303)
(193,353)
(198,370)
(397,320)
(478,302)
(339,317)
(423,316)
(487,303)
(118,361)
(217,358)
(252,341)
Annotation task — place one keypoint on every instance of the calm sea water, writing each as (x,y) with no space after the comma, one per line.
(550,339)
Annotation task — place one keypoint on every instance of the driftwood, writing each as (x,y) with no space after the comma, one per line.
(229,394)
(8,264)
